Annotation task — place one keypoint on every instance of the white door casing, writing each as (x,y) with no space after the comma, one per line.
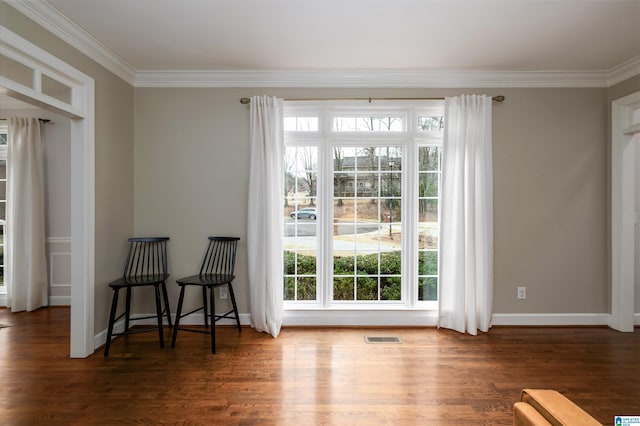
(623,214)
(80,109)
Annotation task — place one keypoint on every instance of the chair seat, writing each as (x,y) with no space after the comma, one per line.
(139,281)
(207,279)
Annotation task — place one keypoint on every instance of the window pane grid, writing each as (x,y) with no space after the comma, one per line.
(429,180)
(366,258)
(300,209)
(362,199)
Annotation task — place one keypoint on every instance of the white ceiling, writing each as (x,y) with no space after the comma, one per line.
(393,35)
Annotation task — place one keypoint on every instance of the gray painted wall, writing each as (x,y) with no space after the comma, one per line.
(550,185)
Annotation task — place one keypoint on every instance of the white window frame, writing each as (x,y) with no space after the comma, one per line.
(408,310)
(4,129)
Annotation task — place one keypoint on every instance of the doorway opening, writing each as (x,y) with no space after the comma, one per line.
(27,75)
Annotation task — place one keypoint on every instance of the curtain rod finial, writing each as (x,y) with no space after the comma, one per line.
(245,101)
(498,98)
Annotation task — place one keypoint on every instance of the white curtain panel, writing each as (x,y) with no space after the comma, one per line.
(466,232)
(265,217)
(25,258)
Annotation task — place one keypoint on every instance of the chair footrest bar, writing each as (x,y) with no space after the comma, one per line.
(193,330)
(192,312)
(227,315)
(126,333)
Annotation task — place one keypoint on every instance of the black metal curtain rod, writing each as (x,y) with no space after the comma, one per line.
(498,98)
(41,120)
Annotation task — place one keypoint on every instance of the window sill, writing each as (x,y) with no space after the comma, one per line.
(374,307)
(395,315)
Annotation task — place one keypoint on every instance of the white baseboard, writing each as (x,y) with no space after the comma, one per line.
(53,300)
(59,300)
(551,319)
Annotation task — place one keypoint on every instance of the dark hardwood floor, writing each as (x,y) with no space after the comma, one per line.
(309,376)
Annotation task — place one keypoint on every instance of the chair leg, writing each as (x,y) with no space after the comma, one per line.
(235,307)
(178,313)
(112,318)
(127,310)
(204,307)
(159,315)
(166,302)
(213,320)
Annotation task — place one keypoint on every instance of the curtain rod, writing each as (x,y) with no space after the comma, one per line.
(498,98)
(41,120)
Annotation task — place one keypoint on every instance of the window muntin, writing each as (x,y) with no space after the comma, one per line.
(359,197)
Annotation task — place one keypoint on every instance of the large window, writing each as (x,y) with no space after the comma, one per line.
(362,191)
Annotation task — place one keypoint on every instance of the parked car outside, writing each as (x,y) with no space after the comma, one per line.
(305,213)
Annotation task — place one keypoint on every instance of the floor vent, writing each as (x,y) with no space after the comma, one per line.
(381,339)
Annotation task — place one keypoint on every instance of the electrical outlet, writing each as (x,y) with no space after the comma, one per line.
(522,292)
(223,293)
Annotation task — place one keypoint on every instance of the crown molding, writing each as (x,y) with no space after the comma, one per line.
(624,71)
(52,20)
(367,79)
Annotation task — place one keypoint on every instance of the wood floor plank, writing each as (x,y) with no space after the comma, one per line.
(309,376)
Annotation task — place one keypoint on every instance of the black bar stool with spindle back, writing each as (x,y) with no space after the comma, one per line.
(146,265)
(217,270)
